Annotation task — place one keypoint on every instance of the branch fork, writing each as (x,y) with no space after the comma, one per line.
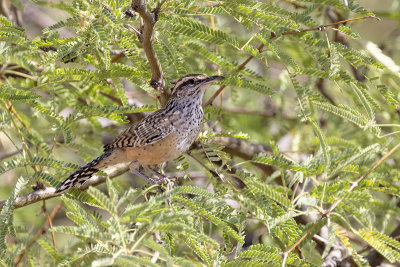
(149,19)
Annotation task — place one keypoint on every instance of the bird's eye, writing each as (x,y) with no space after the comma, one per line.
(191,81)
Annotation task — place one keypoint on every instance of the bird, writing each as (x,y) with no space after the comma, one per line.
(159,137)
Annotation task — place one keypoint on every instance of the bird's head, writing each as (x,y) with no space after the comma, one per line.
(192,85)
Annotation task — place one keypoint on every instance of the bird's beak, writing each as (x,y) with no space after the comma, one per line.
(211,79)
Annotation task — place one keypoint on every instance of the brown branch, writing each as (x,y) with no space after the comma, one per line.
(295,5)
(112,98)
(11,12)
(240,148)
(146,38)
(7,155)
(39,233)
(246,150)
(50,223)
(359,180)
(241,66)
(321,88)
(324,27)
(49,192)
(335,204)
(333,15)
(213,173)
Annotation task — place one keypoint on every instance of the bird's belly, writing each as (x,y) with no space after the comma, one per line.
(161,151)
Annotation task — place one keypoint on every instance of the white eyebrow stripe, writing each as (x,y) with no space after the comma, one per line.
(185,79)
(180,82)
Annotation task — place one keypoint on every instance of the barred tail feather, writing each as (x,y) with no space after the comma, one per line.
(83,174)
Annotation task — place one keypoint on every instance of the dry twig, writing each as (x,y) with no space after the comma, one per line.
(39,233)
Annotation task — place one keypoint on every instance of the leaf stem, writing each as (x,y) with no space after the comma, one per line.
(33,78)
(38,234)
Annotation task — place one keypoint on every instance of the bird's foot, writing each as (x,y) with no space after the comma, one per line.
(134,167)
(156,176)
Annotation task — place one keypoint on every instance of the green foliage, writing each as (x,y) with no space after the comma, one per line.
(306,115)
(7,217)
(130,227)
(385,245)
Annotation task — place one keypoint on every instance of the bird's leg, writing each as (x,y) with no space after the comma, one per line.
(141,174)
(134,167)
(159,177)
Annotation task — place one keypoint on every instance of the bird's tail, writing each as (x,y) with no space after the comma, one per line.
(83,174)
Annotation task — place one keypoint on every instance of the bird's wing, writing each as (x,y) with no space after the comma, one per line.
(154,127)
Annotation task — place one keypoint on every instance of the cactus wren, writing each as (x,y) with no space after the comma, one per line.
(160,137)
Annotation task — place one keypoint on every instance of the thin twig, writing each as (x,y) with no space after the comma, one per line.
(324,27)
(213,173)
(132,28)
(50,222)
(212,22)
(10,110)
(359,180)
(294,4)
(321,88)
(241,66)
(49,192)
(7,155)
(39,233)
(159,241)
(21,74)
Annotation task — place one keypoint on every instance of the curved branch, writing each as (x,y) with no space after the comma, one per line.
(246,150)
(240,67)
(146,38)
(49,192)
